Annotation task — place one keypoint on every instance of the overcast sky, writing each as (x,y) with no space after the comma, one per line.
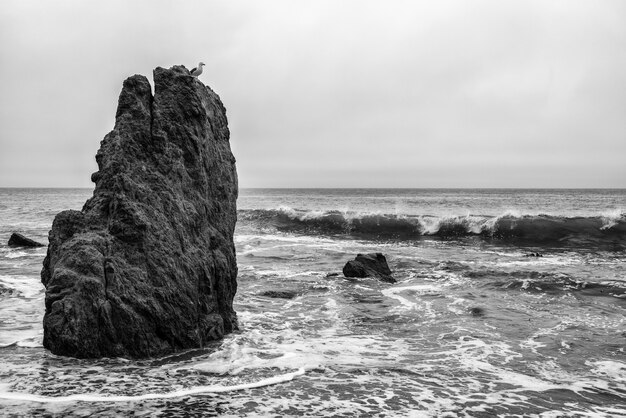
(332,93)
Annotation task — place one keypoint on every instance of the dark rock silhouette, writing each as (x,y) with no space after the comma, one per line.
(148,266)
(476,311)
(369,265)
(279,294)
(4,290)
(19,240)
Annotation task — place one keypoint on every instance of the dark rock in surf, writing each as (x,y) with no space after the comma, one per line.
(19,240)
(279,294)
(4,290)
(369,265)
(476,311)
(148,266)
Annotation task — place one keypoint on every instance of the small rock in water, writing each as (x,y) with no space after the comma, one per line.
(332,275)
(279,294)
(19,240)
(5,290)
(369,265)
(533,255)
(476,311)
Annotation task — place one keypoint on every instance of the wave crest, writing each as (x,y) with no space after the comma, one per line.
(605,228)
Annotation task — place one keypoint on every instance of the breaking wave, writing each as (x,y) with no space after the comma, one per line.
(609,229)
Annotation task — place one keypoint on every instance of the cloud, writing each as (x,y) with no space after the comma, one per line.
(334,94)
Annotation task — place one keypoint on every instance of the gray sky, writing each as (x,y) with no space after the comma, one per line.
(333,93)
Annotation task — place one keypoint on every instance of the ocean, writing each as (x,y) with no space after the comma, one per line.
(507,303)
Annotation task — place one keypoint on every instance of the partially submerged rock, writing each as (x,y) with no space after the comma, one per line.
(4,290)
(19,240)
(476,311)
(369,265)
(279,294)
(148,266)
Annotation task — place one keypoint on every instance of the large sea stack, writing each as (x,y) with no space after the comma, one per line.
(148,266)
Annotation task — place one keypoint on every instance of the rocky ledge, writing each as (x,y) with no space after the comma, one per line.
(148,266)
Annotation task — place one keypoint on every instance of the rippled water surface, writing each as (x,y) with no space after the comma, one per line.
(473,326)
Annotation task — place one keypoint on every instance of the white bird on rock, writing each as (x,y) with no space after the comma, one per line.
(198,70)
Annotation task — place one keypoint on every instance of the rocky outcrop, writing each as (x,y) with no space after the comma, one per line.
(369,265)
(19,240)
(148,266)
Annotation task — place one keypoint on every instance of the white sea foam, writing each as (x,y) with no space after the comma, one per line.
(410,298)
(26,286)
(538,261)
(457,306)
(265,238)
(16,254)
(287,210)
(313,214)
(288,348)
(611,218)
(241,356)
(175,394)
(20,252)
(476,355)
(255,351)
(31,342)
(614,370)
(420,289)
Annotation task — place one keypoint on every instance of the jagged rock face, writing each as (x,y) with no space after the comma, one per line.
(148,266)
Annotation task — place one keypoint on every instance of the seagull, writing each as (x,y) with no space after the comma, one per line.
(198,70)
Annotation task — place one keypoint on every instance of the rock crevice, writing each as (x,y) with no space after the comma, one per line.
(148,265)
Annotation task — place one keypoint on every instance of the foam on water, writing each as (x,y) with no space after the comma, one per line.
(501,384)
(20,252)
(24,286)
(456,336)
(611,218)
(614,370)
(284,238)
(406,303)
(175,394)
(17,254)
(22,338)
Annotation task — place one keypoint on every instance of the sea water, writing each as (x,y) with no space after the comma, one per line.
(474,326)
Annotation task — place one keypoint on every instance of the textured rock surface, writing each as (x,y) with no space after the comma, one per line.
(369,265)
(19,240)
(148,266)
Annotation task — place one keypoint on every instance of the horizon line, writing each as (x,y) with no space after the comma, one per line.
(348,188)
